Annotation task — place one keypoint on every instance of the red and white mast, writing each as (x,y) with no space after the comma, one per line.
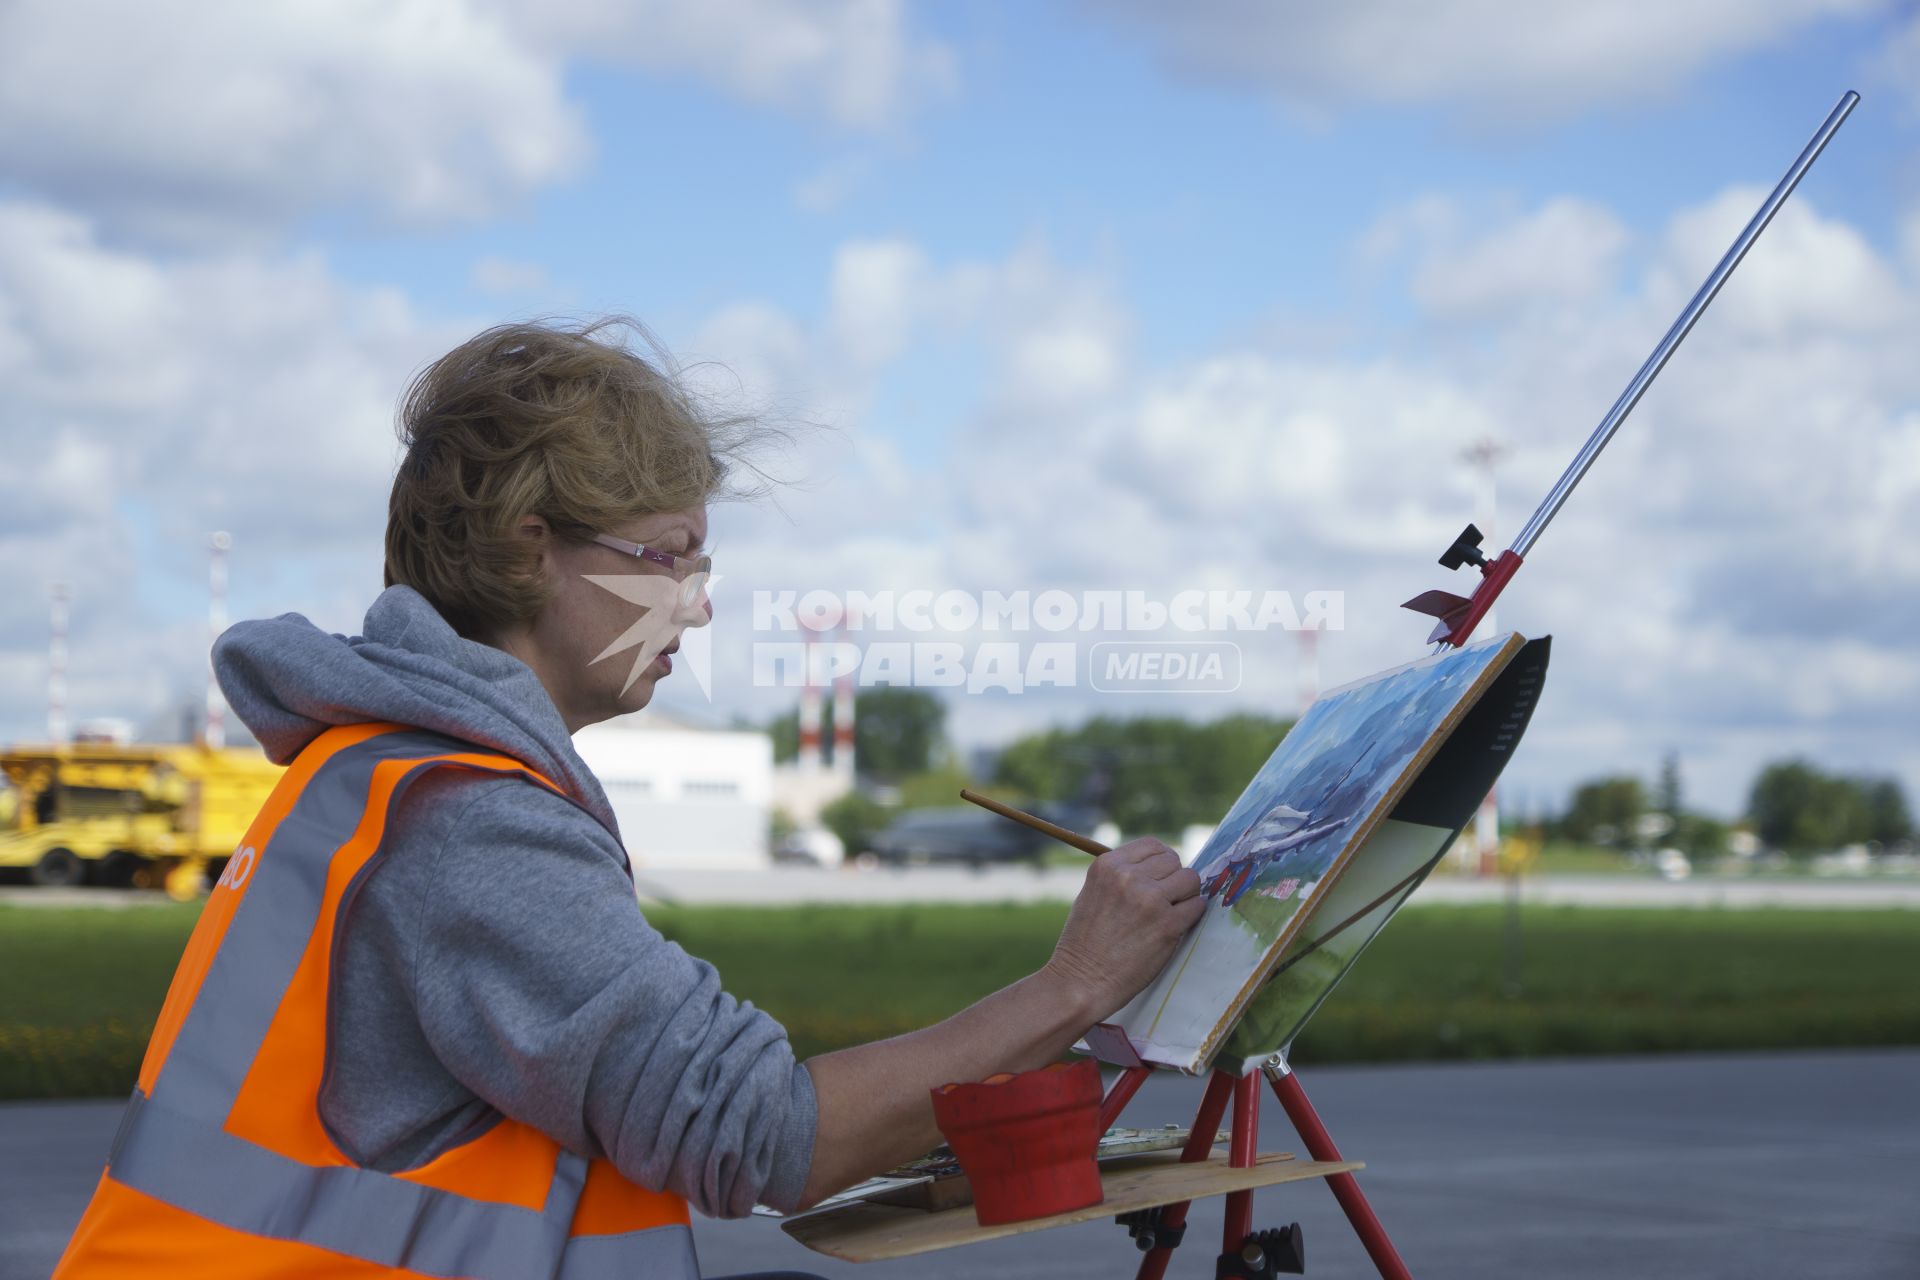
(843,723)
(1309,638)
(810,705)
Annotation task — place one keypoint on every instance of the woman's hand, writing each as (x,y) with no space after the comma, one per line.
(872,1100)
(1138,902)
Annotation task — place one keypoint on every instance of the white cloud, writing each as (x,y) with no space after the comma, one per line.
(1735,579)
(1910,242)
(1067,363)
(1052,336)
(1059,336)
(1475,260)
(1898,63)
(193,122)
(1806,273)
(878,292)
(195,125)
(1488,56)
(853,62)
(149,401)
(750,352)
(1563,252)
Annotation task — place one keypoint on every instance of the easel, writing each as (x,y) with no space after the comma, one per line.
(1244,1253)
(1250,1254)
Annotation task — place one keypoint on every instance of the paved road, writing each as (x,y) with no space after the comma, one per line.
(1735,1166)
(1002,884)
(787,885)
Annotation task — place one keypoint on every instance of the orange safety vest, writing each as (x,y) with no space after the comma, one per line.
(223,1168)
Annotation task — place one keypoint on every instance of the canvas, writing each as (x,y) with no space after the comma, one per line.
(1384,872)
(1284,845)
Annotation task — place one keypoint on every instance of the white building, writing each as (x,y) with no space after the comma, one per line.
(685,797)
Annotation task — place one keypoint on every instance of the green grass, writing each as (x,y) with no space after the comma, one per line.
(838,975)
(1435,984)
(79,989)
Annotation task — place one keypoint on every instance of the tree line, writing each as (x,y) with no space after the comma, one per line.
(1793,807)
(1161,774)
(1150,774)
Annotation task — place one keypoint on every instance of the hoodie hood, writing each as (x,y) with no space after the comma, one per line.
(289,682)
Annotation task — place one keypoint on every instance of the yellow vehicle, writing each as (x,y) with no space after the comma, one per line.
(120,813)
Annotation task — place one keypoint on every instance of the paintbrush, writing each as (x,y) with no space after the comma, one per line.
(1041,825)
(1095,848)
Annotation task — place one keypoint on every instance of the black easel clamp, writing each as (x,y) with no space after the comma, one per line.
(1149,1231)
(1466,550)
(1279,1251)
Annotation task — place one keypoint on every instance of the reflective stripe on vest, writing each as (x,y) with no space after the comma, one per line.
(223,1134)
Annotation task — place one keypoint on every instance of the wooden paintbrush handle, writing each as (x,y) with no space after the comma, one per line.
(1041,825)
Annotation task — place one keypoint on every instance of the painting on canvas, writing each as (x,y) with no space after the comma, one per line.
(1288,837)
(1384,872)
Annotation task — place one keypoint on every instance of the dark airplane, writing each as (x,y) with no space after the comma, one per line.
(1282,829)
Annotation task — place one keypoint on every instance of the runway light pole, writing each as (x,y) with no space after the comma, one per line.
(1309,639)
(215,733)
(1481,455)
(57,668)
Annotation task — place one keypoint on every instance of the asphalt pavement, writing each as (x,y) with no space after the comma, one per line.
(1731,1165)
(788,885)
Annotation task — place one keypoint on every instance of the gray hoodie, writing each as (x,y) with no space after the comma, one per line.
(497,961)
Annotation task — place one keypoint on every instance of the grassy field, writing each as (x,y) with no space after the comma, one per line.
(79,989)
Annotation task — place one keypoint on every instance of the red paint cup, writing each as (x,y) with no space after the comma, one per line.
(1026,1142)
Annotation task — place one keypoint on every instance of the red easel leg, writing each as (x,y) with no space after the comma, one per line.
(1246,1141)
(1346,1189)
(1206,1123)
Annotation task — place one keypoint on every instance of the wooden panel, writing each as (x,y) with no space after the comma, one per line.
(876,1232)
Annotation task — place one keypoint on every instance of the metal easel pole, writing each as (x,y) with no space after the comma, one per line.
(1682,326)
(1459,615)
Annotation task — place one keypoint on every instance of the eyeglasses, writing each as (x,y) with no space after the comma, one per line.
(691,572)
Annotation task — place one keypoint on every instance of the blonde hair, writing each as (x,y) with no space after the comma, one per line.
(562,421)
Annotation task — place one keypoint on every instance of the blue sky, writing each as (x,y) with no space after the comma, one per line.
(1215,203)
(1232,284)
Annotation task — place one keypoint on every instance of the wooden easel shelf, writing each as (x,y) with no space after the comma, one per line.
(875,1232)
